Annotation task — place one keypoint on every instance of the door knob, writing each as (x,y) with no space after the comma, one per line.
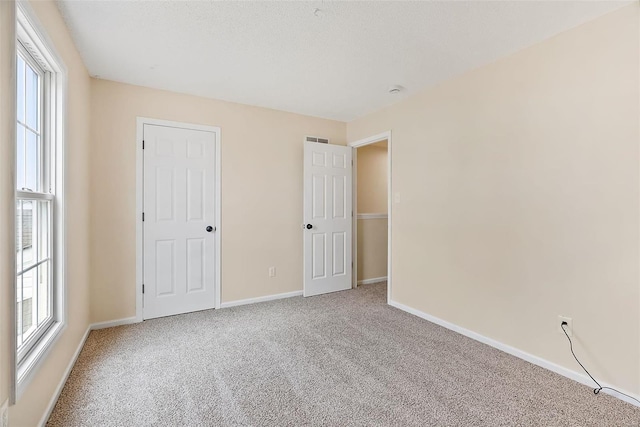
(309,226)
(209,228)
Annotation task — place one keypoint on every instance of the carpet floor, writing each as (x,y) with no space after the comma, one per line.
(343,359)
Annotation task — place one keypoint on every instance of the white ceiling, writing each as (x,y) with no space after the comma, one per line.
(337,65)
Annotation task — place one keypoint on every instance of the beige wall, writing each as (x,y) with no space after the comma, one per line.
(372,248)
(519,198)
(372,178)
(261,191)
(33,403)
(372,161)
(7,187)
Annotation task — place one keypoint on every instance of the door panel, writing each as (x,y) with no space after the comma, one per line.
(165,268)
(195,194)
(328,208)
(339,195)
(195,264)
(339,256)
(318,253)
(179,203)
(319,186)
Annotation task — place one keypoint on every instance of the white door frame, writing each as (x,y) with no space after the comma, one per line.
(357,144)
(141,121)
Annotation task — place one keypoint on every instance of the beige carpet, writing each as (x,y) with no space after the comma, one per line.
(344,359)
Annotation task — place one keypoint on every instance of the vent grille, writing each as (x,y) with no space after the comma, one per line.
(316,139)
(35,54)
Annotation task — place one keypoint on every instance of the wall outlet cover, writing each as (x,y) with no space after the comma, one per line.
(569,327)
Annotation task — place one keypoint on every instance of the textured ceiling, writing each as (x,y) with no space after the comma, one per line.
(280,55)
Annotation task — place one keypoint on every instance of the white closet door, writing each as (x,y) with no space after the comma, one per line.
(327,217)
(179,220)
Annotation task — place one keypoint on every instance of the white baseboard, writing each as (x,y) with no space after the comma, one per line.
(63,380)
(260,299)
(4,414)
(112,323)
(374,280)
(543,363)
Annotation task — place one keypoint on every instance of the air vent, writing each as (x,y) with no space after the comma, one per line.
(35,54)
(316,139)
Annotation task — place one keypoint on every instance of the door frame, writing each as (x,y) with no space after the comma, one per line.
(140,122)
(357,144)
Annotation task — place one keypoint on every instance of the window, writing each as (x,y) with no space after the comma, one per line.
(33,210)
(39,223)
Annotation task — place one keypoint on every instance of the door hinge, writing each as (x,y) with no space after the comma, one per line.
(143,288)
(143,144)
(142,216)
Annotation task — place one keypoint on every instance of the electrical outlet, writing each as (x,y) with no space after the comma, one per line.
(272,272)
(568,328)
(4,414)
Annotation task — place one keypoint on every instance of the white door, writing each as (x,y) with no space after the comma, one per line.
(179,220)
(327,218)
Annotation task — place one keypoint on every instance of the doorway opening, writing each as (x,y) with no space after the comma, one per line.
(372,211)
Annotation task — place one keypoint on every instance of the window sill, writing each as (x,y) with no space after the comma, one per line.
(32,361)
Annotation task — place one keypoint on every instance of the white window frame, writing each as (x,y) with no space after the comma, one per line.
(32,39)
(45,193)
